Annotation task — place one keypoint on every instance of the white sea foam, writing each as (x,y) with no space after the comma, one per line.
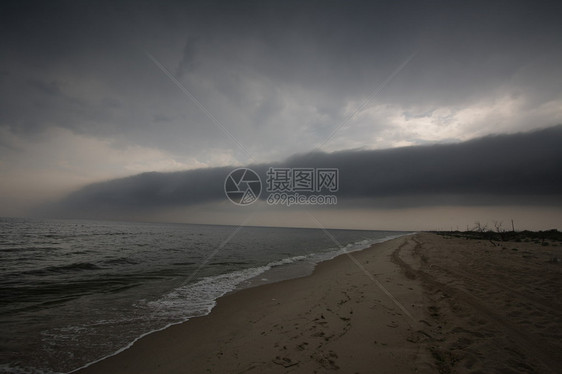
(199,298)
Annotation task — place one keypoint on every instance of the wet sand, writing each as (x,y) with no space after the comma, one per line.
(416,304)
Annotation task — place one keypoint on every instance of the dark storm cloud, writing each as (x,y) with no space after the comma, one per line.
(462,47)
(502,168)
(269,70)
(514,169)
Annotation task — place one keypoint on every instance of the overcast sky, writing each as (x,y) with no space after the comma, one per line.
(95,90)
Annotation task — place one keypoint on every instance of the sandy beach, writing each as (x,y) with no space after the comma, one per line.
(417,304)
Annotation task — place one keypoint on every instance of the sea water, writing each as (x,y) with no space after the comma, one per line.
(73,291)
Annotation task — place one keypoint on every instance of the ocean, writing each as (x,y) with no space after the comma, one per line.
(73,291)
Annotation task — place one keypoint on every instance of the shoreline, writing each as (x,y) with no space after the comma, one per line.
(420,303)
(297,270)
(238,316)
(273,275)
